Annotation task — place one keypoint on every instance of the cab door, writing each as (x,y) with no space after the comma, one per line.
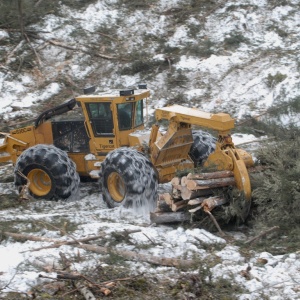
(102,126)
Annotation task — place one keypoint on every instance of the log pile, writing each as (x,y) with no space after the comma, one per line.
(191,193)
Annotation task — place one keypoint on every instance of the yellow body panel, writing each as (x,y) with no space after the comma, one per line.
(220,122)
(169,151)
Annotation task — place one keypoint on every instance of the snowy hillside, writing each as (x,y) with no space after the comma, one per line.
(239,57)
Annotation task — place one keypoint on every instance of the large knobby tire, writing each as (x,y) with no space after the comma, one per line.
(52,174)
(204,144)
(128,178)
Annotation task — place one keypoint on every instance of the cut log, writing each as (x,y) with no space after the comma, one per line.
(210,203)
(183,181)
(176,187)
(171,217)
(162,206)
(187,194)
(196,201)
(212,175)
(207,204)
(175,181)
(174,204)
(210,183)
(168,198)
(178,205)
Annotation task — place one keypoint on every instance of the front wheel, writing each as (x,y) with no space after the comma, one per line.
(204,144)
(51,173)
(127,178)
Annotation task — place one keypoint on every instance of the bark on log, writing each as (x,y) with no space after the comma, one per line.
(212,175)
(131,255)
(178,205)
(171,217)
(212,202)
(196,201)
(172,203)
(210,183)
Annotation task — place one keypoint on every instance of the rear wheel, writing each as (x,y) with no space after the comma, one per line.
(51,173)
(127,178)
(204,144)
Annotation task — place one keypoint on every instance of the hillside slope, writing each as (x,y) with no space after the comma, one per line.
(239,57)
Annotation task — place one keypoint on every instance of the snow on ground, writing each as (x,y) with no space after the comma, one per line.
(271,275)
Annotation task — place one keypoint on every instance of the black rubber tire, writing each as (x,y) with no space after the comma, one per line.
(54,163)
(204,144)
(137,174)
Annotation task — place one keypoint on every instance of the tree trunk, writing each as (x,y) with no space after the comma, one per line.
(21,18)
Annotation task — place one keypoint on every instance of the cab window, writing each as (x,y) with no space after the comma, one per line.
(125,115)
(101,118)
(139,117)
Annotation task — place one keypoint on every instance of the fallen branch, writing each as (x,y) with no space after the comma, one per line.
(24,193)
(108,36)
(22,236)
(19,46)
(215,222)
(213,9)
(58,44)
(254,239)
(57,243)
(257,141)
(61,230)
(86,293)
(131,255)
(33,49)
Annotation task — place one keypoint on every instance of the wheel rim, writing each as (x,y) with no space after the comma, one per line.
(116,186)
(40,182)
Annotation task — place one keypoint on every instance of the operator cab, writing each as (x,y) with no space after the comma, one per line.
(111,117)
(104,122)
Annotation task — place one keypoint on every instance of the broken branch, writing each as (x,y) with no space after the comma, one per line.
(262,234)
(131,255)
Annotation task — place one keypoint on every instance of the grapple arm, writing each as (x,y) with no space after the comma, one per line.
(227,157)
